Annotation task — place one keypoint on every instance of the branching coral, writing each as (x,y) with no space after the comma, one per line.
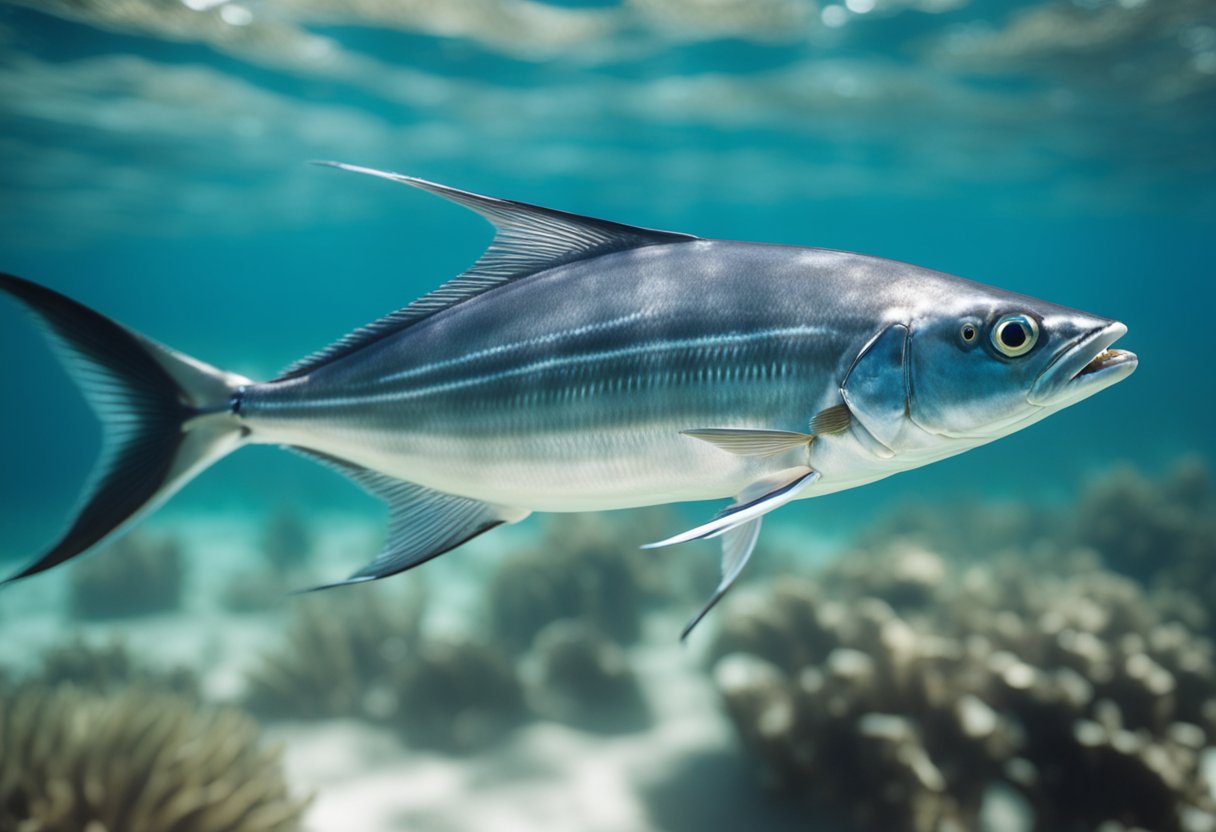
(107,668)
(581,569)
(901,691)
(340,658)
(1162,531)
(138,575)
(72,761)
(362,653)
(456,695)
(357,654)
(582,678)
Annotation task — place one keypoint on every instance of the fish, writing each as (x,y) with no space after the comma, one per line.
(582,364)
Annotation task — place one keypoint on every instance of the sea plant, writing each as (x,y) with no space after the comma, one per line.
(363,653)
(579,677)
(136,761)
(1157,530)
(584,568)
(900,692)
(107,668)
(339,657)
(456,695)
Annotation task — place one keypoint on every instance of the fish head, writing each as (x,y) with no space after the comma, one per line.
(985,363)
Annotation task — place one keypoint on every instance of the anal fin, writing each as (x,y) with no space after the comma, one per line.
(423,523)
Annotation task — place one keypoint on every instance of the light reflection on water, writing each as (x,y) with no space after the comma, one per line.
(154,168)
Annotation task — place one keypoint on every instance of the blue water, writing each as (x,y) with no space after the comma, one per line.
(154,166)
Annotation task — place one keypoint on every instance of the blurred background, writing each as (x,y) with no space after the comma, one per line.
(153,164)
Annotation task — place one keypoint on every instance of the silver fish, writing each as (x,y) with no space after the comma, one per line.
(582,365)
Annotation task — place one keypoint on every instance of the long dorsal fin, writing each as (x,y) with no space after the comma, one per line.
(528,239)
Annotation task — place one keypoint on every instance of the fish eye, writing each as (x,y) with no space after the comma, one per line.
(1015,335)
(968,333)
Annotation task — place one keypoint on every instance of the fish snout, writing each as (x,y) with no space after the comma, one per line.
(1083,366)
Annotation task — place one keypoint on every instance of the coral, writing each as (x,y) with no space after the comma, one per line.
(107,669)
(358,654)
(72,761)
(902,691)
(582,569)
(137,575)
(362,653)
(1161,532)
(340,658)
(456,695)
(581,678)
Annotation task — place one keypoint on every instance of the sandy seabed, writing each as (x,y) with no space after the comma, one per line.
(684,770)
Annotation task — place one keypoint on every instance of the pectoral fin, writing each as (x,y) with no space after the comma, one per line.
(750,442)
(737,545)
(832,420)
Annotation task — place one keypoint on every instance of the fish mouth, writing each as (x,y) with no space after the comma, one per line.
(1084,367)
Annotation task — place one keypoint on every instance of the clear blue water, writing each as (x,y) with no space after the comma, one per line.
(154,166)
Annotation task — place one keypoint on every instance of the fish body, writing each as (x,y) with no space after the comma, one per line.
(568,391)
(585,365)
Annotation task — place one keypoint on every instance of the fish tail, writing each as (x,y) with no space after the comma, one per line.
(165,417)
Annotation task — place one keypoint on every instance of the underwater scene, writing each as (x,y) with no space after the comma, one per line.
(1017,638)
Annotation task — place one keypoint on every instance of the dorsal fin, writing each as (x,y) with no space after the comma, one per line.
(528,239)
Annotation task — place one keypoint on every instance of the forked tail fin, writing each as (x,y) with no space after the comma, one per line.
(165,416)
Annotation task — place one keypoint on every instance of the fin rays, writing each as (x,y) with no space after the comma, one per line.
(737,513)
(739,527)
(528,239)
(423,523)
(143,393)
(751,442)
(738,543)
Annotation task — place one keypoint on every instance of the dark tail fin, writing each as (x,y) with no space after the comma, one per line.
(165,416)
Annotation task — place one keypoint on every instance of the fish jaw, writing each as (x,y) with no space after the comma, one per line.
(1085,367)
